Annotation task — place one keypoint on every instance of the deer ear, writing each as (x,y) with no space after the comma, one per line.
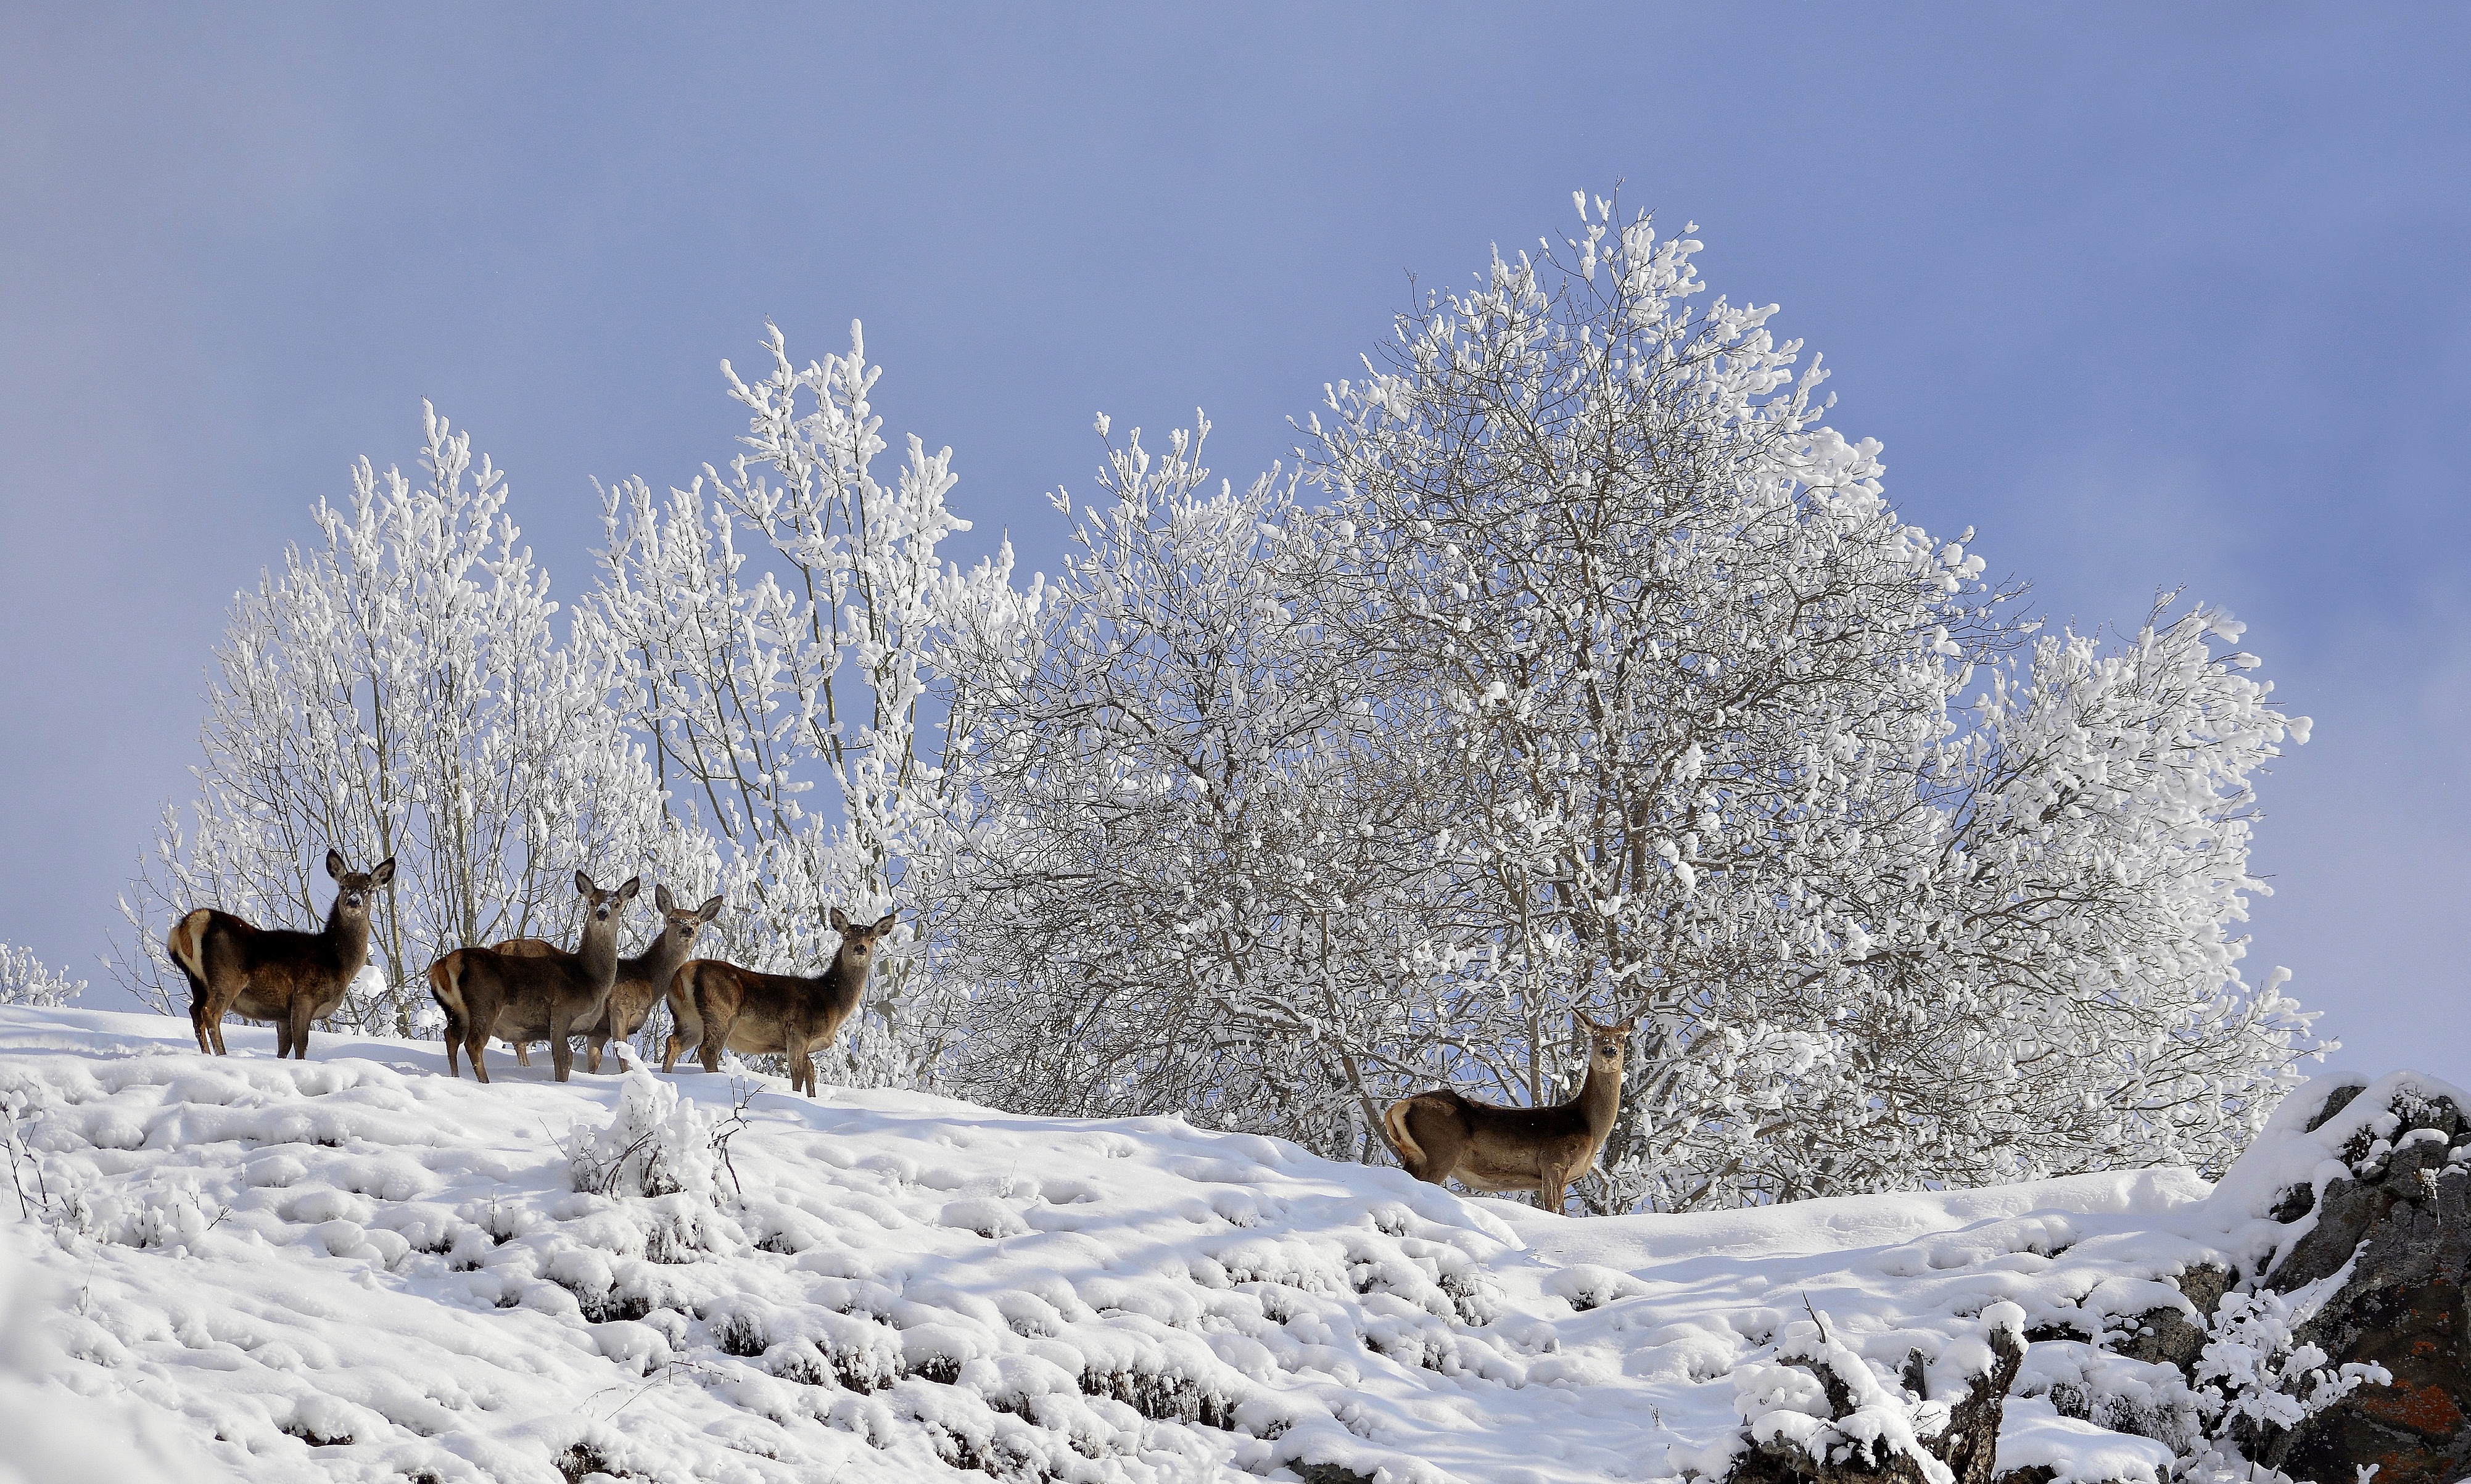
(662,899)
(1626,1026)
(334,863)
(885,924)
(583,887)
(634,885)
(841,921)
(384,874)
(710,910)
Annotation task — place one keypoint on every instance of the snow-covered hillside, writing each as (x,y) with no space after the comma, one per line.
(359,1268)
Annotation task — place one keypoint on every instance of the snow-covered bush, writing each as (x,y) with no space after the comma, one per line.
(774,628)
(1818,1397)
(654,1145)
(1607,679)
(1176,814)
(399,688)
(2257,1378)
(26,980)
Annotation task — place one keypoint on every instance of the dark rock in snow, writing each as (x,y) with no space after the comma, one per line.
(1329,1474)
(2166,1336)
(2401,1224)
(2406,1215)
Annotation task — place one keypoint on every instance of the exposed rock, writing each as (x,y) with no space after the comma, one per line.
(2397,1228)
(2405,1213)
(2166,1336)
(1970,1444)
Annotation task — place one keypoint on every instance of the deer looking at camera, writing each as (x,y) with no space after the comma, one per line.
(548,997)
(237,968)
(1441,1136)
(642,979)
(751,1013)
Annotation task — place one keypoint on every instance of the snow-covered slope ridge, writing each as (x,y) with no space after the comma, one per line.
(359,1268)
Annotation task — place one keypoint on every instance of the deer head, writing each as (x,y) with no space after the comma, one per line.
(858,939)
(1606,1044)
(601,905)
(353,890)
(685,921)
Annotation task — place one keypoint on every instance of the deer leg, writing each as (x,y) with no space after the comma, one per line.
(300,1018)
(523,1053)
(715,1035)
(474,1048)
(197,1013)
(1553,1187)
(561,1053)
(669,1051)
(219,1004)
(592,1054)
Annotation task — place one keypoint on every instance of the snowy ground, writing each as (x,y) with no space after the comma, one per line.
(358,1268)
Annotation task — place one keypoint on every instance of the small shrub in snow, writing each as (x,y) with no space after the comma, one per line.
(655,1144)
(1818,1398)
(25,979)
(2256,1380)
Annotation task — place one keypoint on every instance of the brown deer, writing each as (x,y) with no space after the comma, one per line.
(548,997)
(237,968)
(751,1012)
(642,979)
(1440,1135)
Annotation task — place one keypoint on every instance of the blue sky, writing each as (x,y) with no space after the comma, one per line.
(2149,295)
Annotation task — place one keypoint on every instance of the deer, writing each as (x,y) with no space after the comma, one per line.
(546,998)
(750,1012)
(642,979)
(235,967)
(1440,1135)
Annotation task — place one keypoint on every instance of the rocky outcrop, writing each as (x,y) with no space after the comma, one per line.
(2402,1221)
(2167,1336)
(2371,1196)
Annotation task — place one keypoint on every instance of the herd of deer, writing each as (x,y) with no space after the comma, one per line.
(524,989)
(527,989)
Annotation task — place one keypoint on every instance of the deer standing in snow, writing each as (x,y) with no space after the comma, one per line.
(642,979)
(548,997)
(237,968)
(1440,1135)
(750,1012)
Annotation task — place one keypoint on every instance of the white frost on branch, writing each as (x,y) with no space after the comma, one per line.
(26,980)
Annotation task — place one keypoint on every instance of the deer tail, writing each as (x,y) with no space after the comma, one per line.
(188,945)
(1394,1122)
(446,984)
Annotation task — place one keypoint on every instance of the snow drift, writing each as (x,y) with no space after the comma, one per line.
(359,1268)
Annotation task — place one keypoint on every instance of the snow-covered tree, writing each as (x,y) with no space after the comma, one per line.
(773,629)
(1184,884)
(399,691)
(26,980)
(1703,692)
